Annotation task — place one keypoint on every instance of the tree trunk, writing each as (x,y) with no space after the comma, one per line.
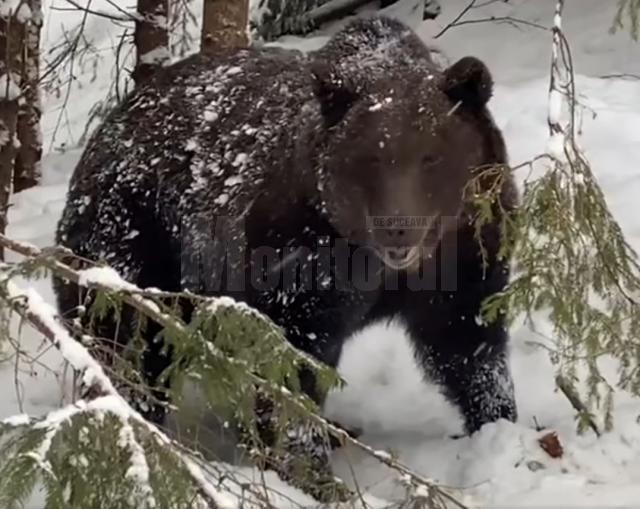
(8,120)
(11,43)
(27,171)
(151,39)
(225,24)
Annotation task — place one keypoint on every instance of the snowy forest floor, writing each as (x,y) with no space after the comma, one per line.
(502,465)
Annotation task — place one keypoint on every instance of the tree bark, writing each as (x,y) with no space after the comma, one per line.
(8,120)
(151,39)
(11,43)
(225,24)
(27,172)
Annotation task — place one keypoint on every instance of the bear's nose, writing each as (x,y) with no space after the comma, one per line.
(398,236)
(398,254)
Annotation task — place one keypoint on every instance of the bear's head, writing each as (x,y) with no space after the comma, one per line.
(399,148)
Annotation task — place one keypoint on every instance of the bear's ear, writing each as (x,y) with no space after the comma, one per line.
(334,93)
(468,81)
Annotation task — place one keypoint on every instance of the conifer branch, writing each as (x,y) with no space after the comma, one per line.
(106,279)
(31,307)
(570,257)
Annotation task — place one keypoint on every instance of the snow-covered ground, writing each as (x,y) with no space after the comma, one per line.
(502,465)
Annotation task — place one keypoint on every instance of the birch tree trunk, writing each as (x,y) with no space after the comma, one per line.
(27,172)
(225,24)
(151,39)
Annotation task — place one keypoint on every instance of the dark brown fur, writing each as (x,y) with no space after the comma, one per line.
(297,151)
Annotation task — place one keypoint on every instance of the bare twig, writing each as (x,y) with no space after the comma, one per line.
(458,21)
(73,48)
(497,19)
(113,17)
(119,8)
(622,75)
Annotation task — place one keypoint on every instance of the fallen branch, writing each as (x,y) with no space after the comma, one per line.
(576,403)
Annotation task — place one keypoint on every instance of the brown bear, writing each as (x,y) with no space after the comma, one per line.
(325,190)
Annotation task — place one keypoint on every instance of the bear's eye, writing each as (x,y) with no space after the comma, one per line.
(430,160)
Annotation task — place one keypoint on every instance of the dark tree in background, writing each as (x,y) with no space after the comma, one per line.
(27,172)
(10,43)
(151,38)
(273,18)
(225,24)
(20,139)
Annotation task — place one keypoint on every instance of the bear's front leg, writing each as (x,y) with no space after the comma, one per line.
(467,358)
(300,453)
(315,322)
(479,384)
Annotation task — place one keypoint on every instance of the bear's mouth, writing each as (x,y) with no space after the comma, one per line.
(399,258)
(408,257)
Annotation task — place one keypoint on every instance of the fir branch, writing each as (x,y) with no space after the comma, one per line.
(630,9)
(29,305)
(571,258)
(106,279)
(138,470)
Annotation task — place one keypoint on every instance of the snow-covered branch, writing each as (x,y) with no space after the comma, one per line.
(107,279)
(556,94)
(43,317)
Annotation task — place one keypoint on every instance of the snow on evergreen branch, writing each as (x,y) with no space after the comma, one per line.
(555,146)
(44,318)
(138,470)
(41,315)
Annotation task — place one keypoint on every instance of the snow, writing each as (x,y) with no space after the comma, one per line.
(9,87)
(104,276)
(235,180)
(70,349)
(210,115)
(16,420)
(378,105)
(138,470)
(555,146)
(159,55)
(17,8)
(502,465)
(556,100)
